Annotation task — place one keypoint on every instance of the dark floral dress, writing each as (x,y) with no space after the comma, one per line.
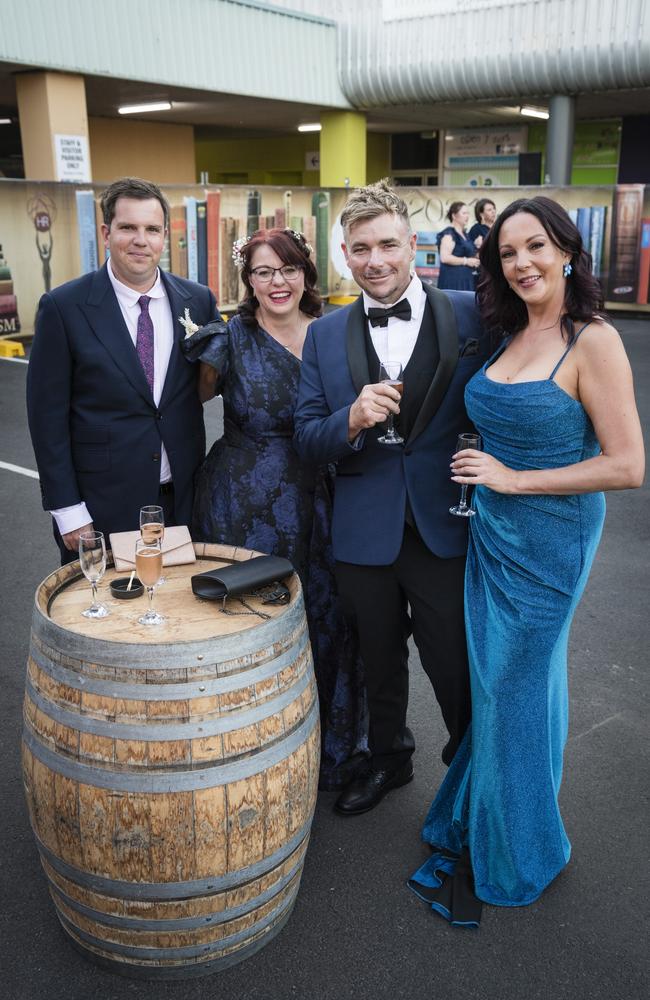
(253,490)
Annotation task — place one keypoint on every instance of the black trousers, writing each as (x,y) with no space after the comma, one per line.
(166,501)
(419,594)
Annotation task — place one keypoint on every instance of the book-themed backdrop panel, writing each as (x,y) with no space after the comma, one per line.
(50,233)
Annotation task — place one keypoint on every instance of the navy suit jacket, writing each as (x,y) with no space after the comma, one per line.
(372,479)
(95,428)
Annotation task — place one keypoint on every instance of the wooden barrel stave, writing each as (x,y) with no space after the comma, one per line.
(158,913)
(123,807)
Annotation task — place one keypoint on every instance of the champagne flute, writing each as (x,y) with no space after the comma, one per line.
(465,441)
(390,373)
(92,557)
(148,564)
(152,527)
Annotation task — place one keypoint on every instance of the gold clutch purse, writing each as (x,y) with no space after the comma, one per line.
(177,547)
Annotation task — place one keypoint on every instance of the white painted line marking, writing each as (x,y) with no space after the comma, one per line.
(17,361)
(19,468)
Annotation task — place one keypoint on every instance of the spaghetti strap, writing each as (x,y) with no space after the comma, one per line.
(571,345)
(497,354)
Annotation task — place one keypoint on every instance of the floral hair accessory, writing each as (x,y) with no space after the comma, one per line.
(300,240)
(237,248)
(188,324)
(297,237)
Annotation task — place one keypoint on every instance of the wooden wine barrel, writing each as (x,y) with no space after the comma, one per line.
(170,772)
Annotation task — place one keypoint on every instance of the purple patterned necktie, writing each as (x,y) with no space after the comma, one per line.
(144,339)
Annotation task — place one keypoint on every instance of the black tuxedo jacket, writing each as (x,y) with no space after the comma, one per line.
(95,428)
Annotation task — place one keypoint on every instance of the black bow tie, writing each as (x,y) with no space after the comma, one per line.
(379,317)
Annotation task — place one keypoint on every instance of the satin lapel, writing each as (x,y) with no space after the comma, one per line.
(104,315)
(446,327)
(356,346)
(178,303)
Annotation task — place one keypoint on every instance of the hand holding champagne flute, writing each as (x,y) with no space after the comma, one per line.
(390,373)
(148,564)
(465,441)
(152,527)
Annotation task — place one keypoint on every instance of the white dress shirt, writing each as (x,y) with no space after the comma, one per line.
(396,341)
(70,518)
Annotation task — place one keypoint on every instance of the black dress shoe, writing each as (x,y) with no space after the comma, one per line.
(366,792)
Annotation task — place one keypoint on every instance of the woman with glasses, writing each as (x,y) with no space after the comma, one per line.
(253,490)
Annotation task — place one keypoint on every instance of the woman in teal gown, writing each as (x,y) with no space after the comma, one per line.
(555,409)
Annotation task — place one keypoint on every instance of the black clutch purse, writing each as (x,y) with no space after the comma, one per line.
(259,577)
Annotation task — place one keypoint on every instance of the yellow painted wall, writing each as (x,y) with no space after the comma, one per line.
(377,156)
(276,161)
(153,150)
(343,149)
(257,161)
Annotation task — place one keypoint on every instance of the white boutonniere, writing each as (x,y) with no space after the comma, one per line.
(188,324)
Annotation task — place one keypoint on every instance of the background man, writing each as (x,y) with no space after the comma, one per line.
(114,413)
(396,545)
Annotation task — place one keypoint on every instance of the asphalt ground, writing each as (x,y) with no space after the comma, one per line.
(356,931)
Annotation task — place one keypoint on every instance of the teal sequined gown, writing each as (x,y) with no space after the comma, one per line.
(528,562)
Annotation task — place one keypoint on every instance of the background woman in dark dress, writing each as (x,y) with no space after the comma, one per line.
(458,254)
(252,489)
(486,212)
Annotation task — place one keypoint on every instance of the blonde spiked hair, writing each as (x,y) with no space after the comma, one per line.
(370,201)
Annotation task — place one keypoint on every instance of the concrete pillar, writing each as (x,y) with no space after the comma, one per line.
(559,139)
(51,105)
(342,149)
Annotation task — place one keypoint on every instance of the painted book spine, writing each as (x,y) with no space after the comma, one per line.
(213,231)
(202,241)
(85,201)
(178,240)
(625,243)
(643,292)
(192,252)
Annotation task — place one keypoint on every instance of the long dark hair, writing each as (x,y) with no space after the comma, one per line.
(291,247)
(479,208)
(501,308)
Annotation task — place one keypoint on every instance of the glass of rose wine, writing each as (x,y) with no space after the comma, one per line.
(390,373)
(92,557)
(152,527)
(148,565)
(463,509)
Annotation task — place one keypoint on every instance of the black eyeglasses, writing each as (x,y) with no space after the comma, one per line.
(288,272)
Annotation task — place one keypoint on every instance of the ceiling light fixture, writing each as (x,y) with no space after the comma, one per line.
(534,113)
(136,109)
(5,121)
(310,127)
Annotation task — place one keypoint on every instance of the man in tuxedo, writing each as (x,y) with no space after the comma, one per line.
(400,555)
(113,406)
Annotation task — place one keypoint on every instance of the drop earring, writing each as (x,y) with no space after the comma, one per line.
(566,269)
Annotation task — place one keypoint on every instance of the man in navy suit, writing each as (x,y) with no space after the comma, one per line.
(400,555)
(113,406)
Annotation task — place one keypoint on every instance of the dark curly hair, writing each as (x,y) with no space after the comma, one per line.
(502,310)
(291,247)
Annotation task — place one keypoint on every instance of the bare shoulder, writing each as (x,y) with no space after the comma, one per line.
(600,343)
